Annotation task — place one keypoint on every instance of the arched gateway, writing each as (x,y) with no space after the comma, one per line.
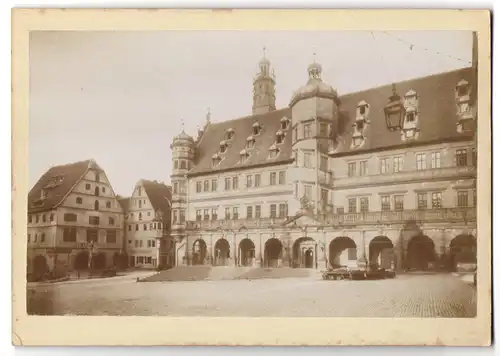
(272,253)
(199,252)
(304,253)
(246,253)
(420,253)
(342,251)
(463,251)
(222,253)
(381,251)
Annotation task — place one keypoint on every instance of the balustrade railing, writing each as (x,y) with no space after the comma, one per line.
(234,223)
(463,215)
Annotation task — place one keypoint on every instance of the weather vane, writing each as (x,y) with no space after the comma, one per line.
(264,51)
(182,124)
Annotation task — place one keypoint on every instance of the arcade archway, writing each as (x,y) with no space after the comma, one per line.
(381,251)
(272,252)
(420,253)
(222,253)
(82,261)
(99,261)
(40,266)
(304,253)
(342,251)
(463,250)
(246,253)
(199,252)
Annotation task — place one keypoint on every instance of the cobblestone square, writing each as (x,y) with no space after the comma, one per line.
(426,295)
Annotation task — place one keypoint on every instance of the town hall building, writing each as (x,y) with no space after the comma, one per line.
(384,176)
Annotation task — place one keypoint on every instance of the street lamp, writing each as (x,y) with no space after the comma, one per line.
(394,111)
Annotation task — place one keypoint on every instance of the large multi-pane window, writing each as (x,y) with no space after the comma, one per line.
(272,211)
(462,199)
(281,177)
(384,165)
(461,157)
(351,169)
(235,182)
(385,202)
(249,181)
(227,183)
(437,200)
(206,185)
(363,168)
(323,163)
(352,205)
(398,202)
(420,161)
(257,180)
(198,187)
(206,215)
(363,204)
(435,160)
(235,213)
(272,178)
(227,214)
(422,200)
(283,210)
(214,185)
(397,164)
(257,211)
(307,131)
(307,160)
(249,212)
(198,215)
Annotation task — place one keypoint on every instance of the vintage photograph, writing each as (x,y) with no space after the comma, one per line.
(253,173)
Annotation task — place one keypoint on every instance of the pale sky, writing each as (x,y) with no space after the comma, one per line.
(119,97)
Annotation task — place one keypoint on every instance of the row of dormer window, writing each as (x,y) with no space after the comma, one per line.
(251,212)
(232,183)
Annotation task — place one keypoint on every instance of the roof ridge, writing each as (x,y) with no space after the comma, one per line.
(404,81)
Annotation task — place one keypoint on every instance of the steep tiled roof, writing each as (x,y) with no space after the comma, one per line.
(124,201)
(437,120)
(436,110)
(159,194)
(57,182)
(215,134)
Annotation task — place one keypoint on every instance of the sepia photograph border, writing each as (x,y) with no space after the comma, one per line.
(155,330)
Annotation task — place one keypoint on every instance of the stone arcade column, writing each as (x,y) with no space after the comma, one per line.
(259,253)
(321,250)
(363,252)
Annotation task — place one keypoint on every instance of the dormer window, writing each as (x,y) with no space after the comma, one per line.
(216,160)
(284,123)
(54,181)
(362,110)
(223,146)
(273,151)
(229,134)
(280,137)
(256,128)
(410,117)
(250,142)
(244,154)
(43,194)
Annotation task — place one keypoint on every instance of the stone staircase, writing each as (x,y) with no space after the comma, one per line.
(210,273)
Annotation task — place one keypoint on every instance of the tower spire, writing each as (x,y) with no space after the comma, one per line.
(264,99)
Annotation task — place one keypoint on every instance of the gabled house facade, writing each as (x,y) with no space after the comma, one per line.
(147,225)
(74,220)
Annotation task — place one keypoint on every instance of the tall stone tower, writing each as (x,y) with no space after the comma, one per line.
(264,84)
(315,111)
(183,151)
